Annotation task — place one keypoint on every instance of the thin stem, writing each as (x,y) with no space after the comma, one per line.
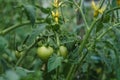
(62,14)
(87,36)
(83,42)
(73,67)
(117,63)
(70,72)
(116,8)
(81,61)
(16,26)
(101,3)
(117,12)
(57,73)
(25,53)
(77,66)
(57,39)
(81,11)
(58,44)
(111,27)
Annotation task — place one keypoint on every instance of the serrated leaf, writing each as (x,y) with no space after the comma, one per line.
(54,62)
(22,72)
(30,12)
(35,33)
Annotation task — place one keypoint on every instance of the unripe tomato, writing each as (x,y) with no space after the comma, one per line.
(5,56)
(18,54)
(63,51)
(44,52)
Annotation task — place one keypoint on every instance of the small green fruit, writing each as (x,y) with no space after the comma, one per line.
(63,51)
(44,52)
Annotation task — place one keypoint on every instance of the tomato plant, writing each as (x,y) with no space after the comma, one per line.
(59,39)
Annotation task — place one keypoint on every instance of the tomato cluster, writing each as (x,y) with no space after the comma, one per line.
(45,52)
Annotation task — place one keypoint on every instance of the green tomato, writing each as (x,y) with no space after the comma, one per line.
(18,54)
(44,52)
(63,51)
(5,56)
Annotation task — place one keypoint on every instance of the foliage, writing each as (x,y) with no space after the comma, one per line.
(90,34)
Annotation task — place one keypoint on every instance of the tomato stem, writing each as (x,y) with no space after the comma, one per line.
(57,39)
(73,67)
(11,28)
(111,27)
(25,53)
(81,11)
(82,45)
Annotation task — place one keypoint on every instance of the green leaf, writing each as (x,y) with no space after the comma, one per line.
(10,54)
(48,20)
(11,75)
(1,78)
(30,12)
(106,18)
(54,62)
(56,27)
(74,55)
(22,72)
(45,10)
(35,33)
(99,26)
(85,67)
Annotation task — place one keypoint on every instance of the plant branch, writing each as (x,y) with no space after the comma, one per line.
(116,8)
(89,29)
(101,3)
(73,67)
(81,11)
(9,29)
(25,52)
(110,28)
